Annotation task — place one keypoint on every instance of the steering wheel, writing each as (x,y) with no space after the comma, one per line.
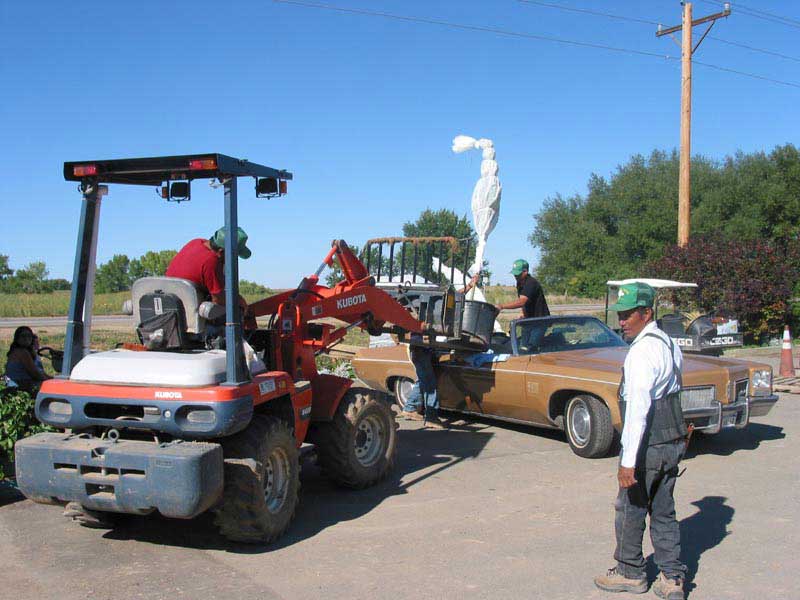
(48,352)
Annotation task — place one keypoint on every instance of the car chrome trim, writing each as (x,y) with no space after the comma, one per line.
(499,418)
(533,373)
(389,360)
(761,405)
(742,410)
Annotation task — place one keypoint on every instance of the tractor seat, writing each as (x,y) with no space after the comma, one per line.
(166,311)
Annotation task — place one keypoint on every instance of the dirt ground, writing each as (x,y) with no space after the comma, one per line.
(478,511)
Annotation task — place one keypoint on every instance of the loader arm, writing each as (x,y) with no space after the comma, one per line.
(353,300)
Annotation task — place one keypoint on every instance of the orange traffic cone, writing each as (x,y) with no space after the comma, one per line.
(787,366)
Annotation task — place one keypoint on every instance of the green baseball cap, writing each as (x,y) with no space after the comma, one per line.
(519,266)
(634,295)
(218,241)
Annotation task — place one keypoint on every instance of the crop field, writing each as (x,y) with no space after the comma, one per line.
(500,294)
(56,304)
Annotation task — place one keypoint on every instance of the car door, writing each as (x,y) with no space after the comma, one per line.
(464,387)
(510,396)
(496,389)
(539,384)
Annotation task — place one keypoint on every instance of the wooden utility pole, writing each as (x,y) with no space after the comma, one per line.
(685,181)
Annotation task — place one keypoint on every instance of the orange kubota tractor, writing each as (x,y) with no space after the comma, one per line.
(181,424)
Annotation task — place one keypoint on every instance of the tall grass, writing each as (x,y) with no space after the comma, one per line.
(501,294)
(56,304)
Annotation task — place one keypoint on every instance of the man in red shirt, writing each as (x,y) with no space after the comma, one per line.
(201,261)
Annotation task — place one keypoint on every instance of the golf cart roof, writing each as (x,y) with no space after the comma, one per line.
(658,284)
(156,170)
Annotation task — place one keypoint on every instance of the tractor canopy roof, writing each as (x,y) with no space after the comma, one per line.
(657,284)
(155,170)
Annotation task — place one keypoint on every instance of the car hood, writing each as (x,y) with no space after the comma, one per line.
(607,364)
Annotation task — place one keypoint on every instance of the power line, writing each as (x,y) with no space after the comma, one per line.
(770,52)
(481,28)
(517,34)
(763,12)
(588,12)
(757,14)
(745,74)
(647,22)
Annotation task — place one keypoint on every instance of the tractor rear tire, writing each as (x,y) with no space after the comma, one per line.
(262,482)
(358,447)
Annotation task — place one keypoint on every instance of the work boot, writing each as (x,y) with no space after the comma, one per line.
(88,518)
(412,415)
(668,588)
(614,581)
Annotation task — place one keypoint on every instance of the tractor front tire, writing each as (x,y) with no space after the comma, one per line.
(262,482)
(357,448)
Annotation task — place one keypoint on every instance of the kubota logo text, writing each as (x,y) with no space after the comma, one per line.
(169,395)
(351,301)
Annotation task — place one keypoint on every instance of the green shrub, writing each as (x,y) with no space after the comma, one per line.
(17,421)
(753,279)
(337,366)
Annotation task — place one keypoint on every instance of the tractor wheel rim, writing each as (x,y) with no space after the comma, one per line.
(580,423)
(369,440)
(276,480)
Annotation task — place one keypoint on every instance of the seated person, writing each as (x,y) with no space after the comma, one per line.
(22,368)
(201,261)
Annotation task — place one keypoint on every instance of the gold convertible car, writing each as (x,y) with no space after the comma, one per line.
(563,372)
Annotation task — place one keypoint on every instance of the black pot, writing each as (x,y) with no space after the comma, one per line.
(477,322)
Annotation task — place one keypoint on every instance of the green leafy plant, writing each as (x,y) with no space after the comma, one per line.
(17,421)
(752,279)
(336,366)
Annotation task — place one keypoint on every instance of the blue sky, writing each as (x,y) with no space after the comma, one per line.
(362,109)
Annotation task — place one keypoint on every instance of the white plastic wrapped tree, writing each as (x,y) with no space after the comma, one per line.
(485,194)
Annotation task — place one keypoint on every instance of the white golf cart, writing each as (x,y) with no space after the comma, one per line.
(692,331)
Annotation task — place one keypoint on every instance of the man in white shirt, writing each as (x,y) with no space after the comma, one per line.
(653,443)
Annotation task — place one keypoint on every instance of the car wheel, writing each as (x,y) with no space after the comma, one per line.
(402,389)
(587,422)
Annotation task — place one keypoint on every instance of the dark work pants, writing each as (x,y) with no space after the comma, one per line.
(652,493)
(423,394)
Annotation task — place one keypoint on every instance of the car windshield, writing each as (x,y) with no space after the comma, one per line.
(559,334)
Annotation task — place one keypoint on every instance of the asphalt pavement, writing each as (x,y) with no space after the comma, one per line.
(477,511)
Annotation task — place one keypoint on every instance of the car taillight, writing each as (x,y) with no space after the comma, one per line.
(282,187)
(204,164)
(84,170)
